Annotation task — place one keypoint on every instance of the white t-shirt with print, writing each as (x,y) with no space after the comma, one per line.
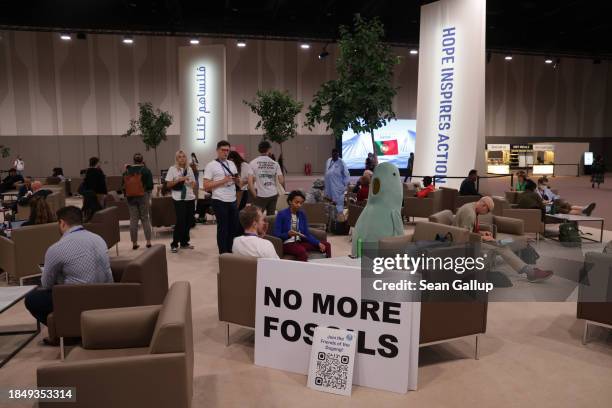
(249,245)
(215,171)
(265,171)
(173,174)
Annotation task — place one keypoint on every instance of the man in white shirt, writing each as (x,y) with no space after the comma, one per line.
(266,173)
(250,244)
(221,177)
(19,165)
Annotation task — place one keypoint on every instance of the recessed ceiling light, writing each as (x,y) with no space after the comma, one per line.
(65,37)
(508,57)
(194,41)
(305,46)
(414,52)
(241,44)
(548,61)
(128,40)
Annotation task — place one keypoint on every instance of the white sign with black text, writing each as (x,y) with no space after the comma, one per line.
(332,359)
(293,298)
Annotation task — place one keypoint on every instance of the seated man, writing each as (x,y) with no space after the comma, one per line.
(428,187)
(468,185)
(529,199)
(364,188)
(10,181)
(35,191)
(250,244)
(467,218)
(291,226)
(78,257)
(25,188)
(561,206)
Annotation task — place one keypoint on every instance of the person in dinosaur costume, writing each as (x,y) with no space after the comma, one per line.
(382,215)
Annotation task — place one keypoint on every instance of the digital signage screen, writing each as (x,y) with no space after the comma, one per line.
(393,143)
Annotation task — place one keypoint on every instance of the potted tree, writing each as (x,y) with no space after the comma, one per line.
(151,126)
(5,151)
(277,111)
(362,97)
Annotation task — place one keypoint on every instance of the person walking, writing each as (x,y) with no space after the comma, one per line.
(597,171)
(181,181)
(137,187)
(409,167)
(19,165)
(221,178)
(244,168)
(263,180)
(95,180)
(336,180)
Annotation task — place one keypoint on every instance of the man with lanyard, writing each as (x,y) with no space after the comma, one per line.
(79,257)
(251,243)
(221,177)
(336,180)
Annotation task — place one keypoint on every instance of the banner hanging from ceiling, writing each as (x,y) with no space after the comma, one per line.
(202,90)
(451,90)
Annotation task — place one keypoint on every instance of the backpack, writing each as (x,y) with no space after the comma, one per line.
(568,232)
(133,185)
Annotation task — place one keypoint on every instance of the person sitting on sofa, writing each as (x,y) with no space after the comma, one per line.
(521,180)
(468,185)
(364,189)
(291,226)
(428,187)
(25,187)
(530,199)
(79,257)
(561,206)
(251,243)
(36,191)
(467,218)
(10,181)
(40,212)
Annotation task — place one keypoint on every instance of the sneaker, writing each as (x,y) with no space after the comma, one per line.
(588,209)
(187,246)
(538,275)
(174,249)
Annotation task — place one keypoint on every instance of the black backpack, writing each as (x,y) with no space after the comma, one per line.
(569,233)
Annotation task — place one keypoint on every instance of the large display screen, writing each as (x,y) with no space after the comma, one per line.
(393,142)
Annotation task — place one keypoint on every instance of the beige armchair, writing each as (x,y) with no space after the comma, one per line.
(137,282)
(236,291)
(422,207)
(453,201)
(162,212)
(316,215)
(134,357)
(319,234)
(21,255)
(595,295)
(354,211)
(105,223)
(114,183)
(441,320)
(112,200)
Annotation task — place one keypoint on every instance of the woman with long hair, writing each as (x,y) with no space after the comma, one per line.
(40,212)
(181,180)
(242,194)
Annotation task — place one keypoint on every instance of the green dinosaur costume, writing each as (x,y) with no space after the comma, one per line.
(382,215)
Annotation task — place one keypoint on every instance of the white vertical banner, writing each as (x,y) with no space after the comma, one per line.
(451,90)
(202,90)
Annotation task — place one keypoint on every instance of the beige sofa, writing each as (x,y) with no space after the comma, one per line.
(137,282)
(105,223)
(501,227)
(21,255)
(134,357)
(422,207)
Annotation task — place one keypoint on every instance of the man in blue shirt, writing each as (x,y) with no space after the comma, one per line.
(78,257)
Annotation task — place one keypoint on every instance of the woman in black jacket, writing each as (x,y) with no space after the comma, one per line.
(95,180)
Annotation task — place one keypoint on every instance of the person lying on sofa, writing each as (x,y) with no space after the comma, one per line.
(251,243)
(79,257)
(551,199)
(291,226)
(467,218)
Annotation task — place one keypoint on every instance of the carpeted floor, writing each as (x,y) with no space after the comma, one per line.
(531,354)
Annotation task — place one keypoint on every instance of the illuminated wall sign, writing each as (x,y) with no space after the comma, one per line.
(544,147)
(523,147)
(203,99)
(451,90)
(498,147)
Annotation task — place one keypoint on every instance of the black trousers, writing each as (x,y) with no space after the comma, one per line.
(184,210)
(227,224)
(39,303)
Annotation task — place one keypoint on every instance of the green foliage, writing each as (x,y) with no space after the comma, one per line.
(151,126)
(5,151)
(277,111)
(362,96)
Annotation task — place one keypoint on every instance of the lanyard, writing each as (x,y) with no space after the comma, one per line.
(225,167)
(77,230)
(250,234)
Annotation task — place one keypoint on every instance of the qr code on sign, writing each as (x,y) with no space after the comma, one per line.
(332,370)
